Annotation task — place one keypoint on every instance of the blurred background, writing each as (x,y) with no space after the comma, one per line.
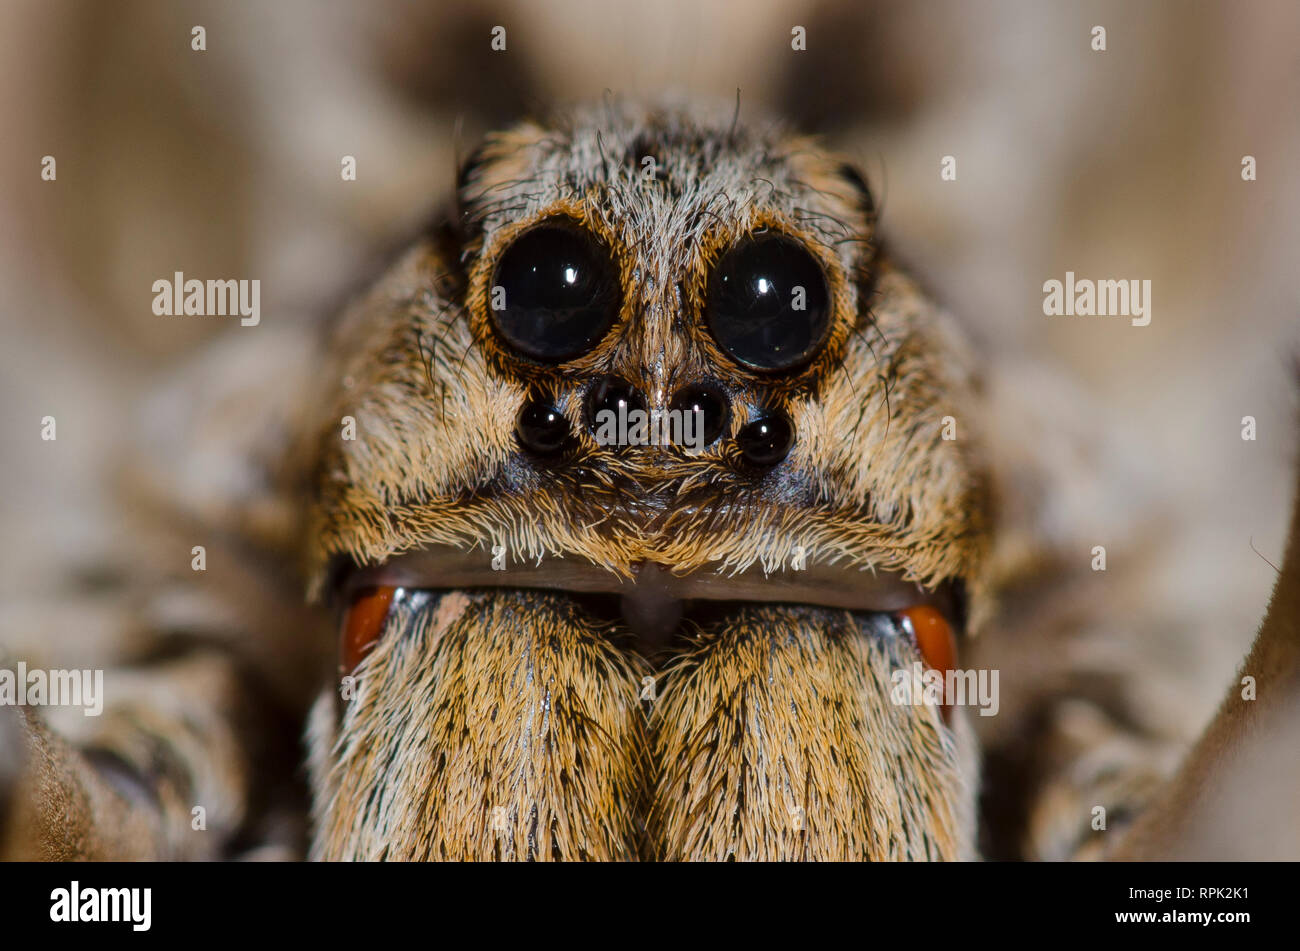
(225,163)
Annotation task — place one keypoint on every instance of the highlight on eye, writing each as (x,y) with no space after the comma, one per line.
(768,303)
(554,292)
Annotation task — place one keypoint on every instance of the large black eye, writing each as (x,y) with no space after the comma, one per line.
(554,293)
(768,304)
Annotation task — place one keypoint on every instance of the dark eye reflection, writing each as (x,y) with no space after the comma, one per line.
(554,292)
(768,303)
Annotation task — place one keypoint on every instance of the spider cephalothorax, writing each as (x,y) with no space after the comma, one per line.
(621,259)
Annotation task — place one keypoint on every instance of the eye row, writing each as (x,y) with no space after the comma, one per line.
(556,292)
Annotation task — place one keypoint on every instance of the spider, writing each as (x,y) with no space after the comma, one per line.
(508,637)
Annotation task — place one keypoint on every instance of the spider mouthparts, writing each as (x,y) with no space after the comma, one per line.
(650,610)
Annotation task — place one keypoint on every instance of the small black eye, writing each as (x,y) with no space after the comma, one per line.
(614,395)
(768,303)
(767,440)
(554,293)
(712,404)
(541,427)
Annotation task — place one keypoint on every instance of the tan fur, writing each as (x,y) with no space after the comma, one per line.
(501,727)
(435,400)
(416,764)
(776,739)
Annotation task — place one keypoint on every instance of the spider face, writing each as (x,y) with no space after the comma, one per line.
(649,455)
